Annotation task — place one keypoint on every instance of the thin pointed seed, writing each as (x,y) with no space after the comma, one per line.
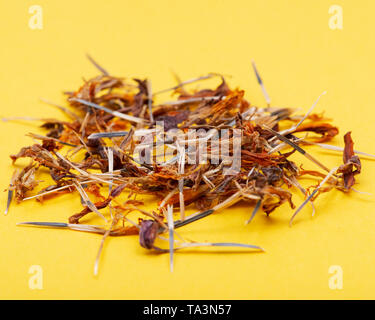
(107,232)
(208,182)
(295,183)
(171,235)
(101,69)
(181,84)
(149,98)
(96,264)
(260,81)
(257,206)
(110,167)
(9,200)
(75,227)
(191,100)
(41,137)
(63,109)
(362,192)
(86,228)
(44,224)
(340,149)
(55,190)
(310,110)
(94,209)
(220,244)
(132,222)
(127,138)
(88,202)
(330,173)
(233,244)
(110,170)
(86,174)
(233,199)
(82,129)
(310,157)
(107,134)
(114,113)
(298,148)
(182,202)
(196,217)
(167,197)
(293,128)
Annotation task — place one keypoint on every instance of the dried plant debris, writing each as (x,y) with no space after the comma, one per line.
(207,148)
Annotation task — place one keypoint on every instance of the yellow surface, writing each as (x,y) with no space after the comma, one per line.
(298,56)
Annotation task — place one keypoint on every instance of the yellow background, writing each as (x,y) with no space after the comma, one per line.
(298,56)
